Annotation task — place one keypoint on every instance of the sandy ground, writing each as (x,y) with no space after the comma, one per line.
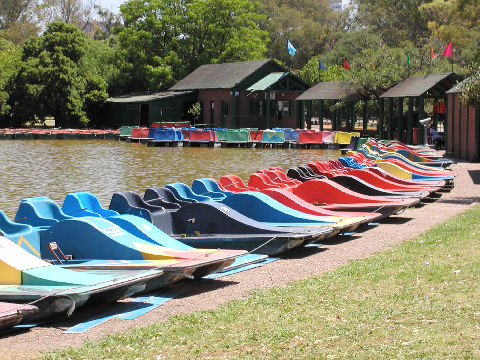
(299,264)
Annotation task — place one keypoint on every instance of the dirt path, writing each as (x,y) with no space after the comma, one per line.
(208,294)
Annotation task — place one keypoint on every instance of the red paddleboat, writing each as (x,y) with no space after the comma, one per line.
(12,314)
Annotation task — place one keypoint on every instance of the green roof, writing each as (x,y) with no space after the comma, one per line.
(330,90)
(413,86)
(224,76)
(143,98)
(457,88)
(267,81)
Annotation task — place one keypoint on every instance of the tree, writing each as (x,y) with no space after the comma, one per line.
(9,63)
(470,89)
(163,40)
(49,81)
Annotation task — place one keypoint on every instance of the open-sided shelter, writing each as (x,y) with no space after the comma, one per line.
(329,91)
(250,94)
(419,88)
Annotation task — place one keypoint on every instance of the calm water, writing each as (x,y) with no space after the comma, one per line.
(55,167)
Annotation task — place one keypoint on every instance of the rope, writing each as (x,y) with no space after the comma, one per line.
(262,245)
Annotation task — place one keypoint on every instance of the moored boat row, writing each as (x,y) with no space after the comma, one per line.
(58,258)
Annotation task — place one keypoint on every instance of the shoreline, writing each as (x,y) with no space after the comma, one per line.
(300,264)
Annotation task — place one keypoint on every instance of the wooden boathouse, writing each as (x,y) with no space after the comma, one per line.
(250,94)
(463,123)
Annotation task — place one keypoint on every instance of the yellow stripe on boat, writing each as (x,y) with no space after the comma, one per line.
(394,170)
(13,260)
(154,252)
(22,240)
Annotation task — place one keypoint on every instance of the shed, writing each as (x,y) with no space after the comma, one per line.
(463,123)
(145,109)
(258,93)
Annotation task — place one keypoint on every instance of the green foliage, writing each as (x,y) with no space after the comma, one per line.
(195,111)
(9,64)
(51,83)
(308,24)
(470,89)
(164,40)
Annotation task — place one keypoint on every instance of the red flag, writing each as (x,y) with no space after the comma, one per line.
(345,64)
(432,53)
(448,51)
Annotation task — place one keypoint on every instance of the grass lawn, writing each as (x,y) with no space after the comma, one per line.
(421,299)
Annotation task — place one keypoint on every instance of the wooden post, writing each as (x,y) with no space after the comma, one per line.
(309,114)
(390,118)
(476,155)
(352,116)
(400,119)
(381,108)
(421,115)
(302,117)
(365,115)
(340,117)
(334,120)
(267,110)
(410,122)
(320,114)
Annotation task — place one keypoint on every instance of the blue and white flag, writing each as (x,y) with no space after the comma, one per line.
(478,43)
(291,50)
(321,66)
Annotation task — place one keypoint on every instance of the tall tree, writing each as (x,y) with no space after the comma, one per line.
(49,81)
(163,40)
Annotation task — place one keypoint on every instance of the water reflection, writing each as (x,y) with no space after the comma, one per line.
(55,167)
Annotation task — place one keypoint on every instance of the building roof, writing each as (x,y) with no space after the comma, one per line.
(267,81)
(457,88)
(221,76)
(331,90)
(142,98)
(413,86)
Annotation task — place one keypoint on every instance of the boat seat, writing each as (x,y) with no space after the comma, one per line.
(309,172)
(296,173)
(40,211)
(235,183)
(210,188)
(183,191)
(129,202)
(81,204)
(167,197)
(262,181)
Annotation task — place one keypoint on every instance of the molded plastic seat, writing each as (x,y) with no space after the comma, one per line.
(184,192)
(129,202)
(22,234)
(309,172)
(210,188)
(81,204)
(295,173)
(40,211)
(159,195)
(235,183)
(277,178)
(262,181)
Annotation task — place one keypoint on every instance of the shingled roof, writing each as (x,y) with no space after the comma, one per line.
(413,86)
(330,90)
(223,76)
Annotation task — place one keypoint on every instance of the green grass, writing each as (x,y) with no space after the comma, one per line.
(421,299)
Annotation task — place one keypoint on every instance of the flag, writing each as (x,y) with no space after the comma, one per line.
(448,51)
(408,59)
(321,66)
(478,43)
(432,53)
(291,50)
(345,64)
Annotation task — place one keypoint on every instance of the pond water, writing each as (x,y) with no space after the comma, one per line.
(55,167)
